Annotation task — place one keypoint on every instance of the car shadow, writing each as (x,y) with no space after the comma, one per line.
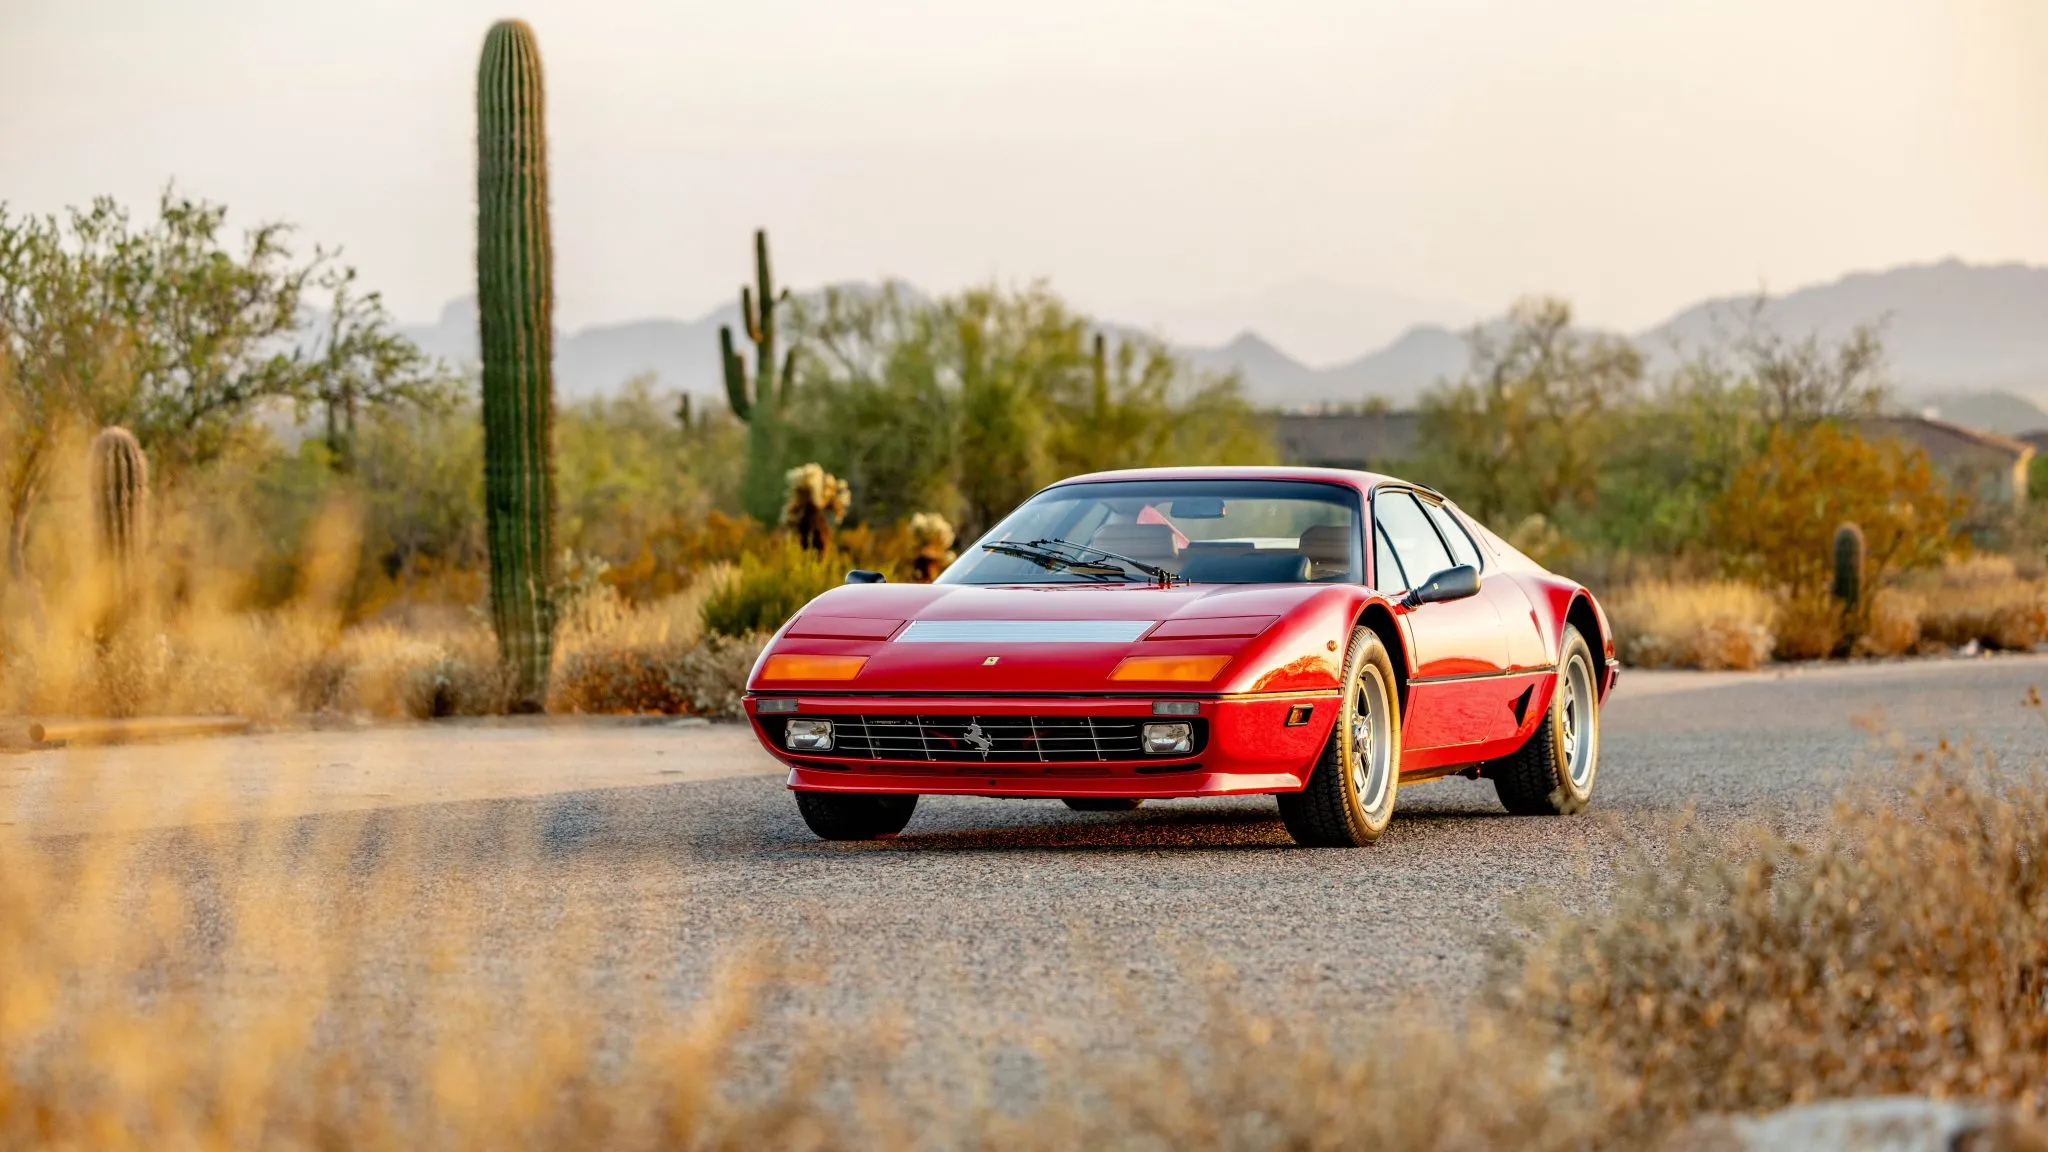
(1160,829)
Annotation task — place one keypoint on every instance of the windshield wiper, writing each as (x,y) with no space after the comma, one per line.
(1163,576)
(1047,558)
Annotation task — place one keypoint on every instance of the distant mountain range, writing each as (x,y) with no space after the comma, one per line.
(1968,340)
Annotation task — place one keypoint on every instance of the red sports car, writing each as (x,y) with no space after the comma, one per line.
(1325,636)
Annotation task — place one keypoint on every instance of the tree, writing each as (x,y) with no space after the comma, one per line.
(967,405)
(64,357)
(172,332)
(875,402)
(211,332)
(1527,431)
(358,362)
(1804,381)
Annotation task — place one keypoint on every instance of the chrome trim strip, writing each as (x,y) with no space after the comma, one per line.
(1537,670)
(1023,631)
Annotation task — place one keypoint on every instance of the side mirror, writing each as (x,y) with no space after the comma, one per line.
(1449,584)
(863,576)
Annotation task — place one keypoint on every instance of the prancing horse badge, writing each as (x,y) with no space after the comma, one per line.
(990,660)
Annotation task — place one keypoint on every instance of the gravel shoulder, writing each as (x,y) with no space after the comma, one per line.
(302,773)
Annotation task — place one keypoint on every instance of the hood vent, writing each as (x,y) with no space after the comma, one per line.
(1024,631)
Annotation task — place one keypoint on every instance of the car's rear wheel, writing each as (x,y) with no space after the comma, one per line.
(1552,773)
(854,815)
(1350,794)
(1102,803)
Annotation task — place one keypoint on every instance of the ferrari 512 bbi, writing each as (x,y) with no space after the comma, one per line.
(1324,636)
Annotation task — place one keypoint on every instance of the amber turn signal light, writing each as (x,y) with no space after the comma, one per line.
(796,666)
(1169,667)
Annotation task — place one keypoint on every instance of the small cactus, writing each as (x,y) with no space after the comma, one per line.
(932,536)
(758,403)
(515,301)
(817,501)
(120,500)
(1849,568)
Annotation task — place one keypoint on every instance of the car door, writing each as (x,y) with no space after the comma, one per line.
(1523,635)
(1458,649)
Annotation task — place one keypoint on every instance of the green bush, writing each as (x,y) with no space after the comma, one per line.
(768,588)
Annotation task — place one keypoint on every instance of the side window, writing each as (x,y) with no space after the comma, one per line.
(1408,529)
(1386,570)
(1454,534)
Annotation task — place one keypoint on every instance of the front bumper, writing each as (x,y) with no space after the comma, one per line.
(1249,748)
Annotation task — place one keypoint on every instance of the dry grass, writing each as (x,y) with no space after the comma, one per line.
(203,656)
(1713,624)
(612,657)
(1717,624)
(1983,599)
(352,991)
(1811,625)
(1904,952)
(1892,624)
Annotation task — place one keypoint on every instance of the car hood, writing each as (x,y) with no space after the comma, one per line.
(1058,602)
(955,638)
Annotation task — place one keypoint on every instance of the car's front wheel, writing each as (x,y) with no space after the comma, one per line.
(1350,794)
(854,815)
(1552,773)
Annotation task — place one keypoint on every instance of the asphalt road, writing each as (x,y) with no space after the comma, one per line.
(995,922)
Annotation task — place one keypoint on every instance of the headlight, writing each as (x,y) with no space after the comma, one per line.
(809,735)
(1168,739)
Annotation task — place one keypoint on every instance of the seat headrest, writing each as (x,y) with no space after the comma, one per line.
(1138,541)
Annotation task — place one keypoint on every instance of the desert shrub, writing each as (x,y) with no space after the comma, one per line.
(613,656)
(1811,625)
(1904,950)
(766,589)
(614,680)
(711,677)
(1775,523)
(1892,623)
(1719,624)
(470,681)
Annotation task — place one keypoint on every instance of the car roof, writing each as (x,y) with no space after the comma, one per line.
(1364,481)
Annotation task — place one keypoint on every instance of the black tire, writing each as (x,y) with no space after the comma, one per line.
(1102,803)
(854,815)
(1331,812)
(1552,773)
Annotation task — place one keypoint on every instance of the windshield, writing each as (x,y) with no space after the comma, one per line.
(1200,531)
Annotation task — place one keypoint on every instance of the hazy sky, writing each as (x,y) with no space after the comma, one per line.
(1150,157)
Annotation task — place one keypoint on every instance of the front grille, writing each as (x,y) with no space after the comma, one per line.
(986,739)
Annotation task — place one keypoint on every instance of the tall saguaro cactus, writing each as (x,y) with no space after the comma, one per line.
(120,502)
(515,301)
(758,402)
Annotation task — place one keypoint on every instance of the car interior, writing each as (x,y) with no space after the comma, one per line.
(1323,552)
